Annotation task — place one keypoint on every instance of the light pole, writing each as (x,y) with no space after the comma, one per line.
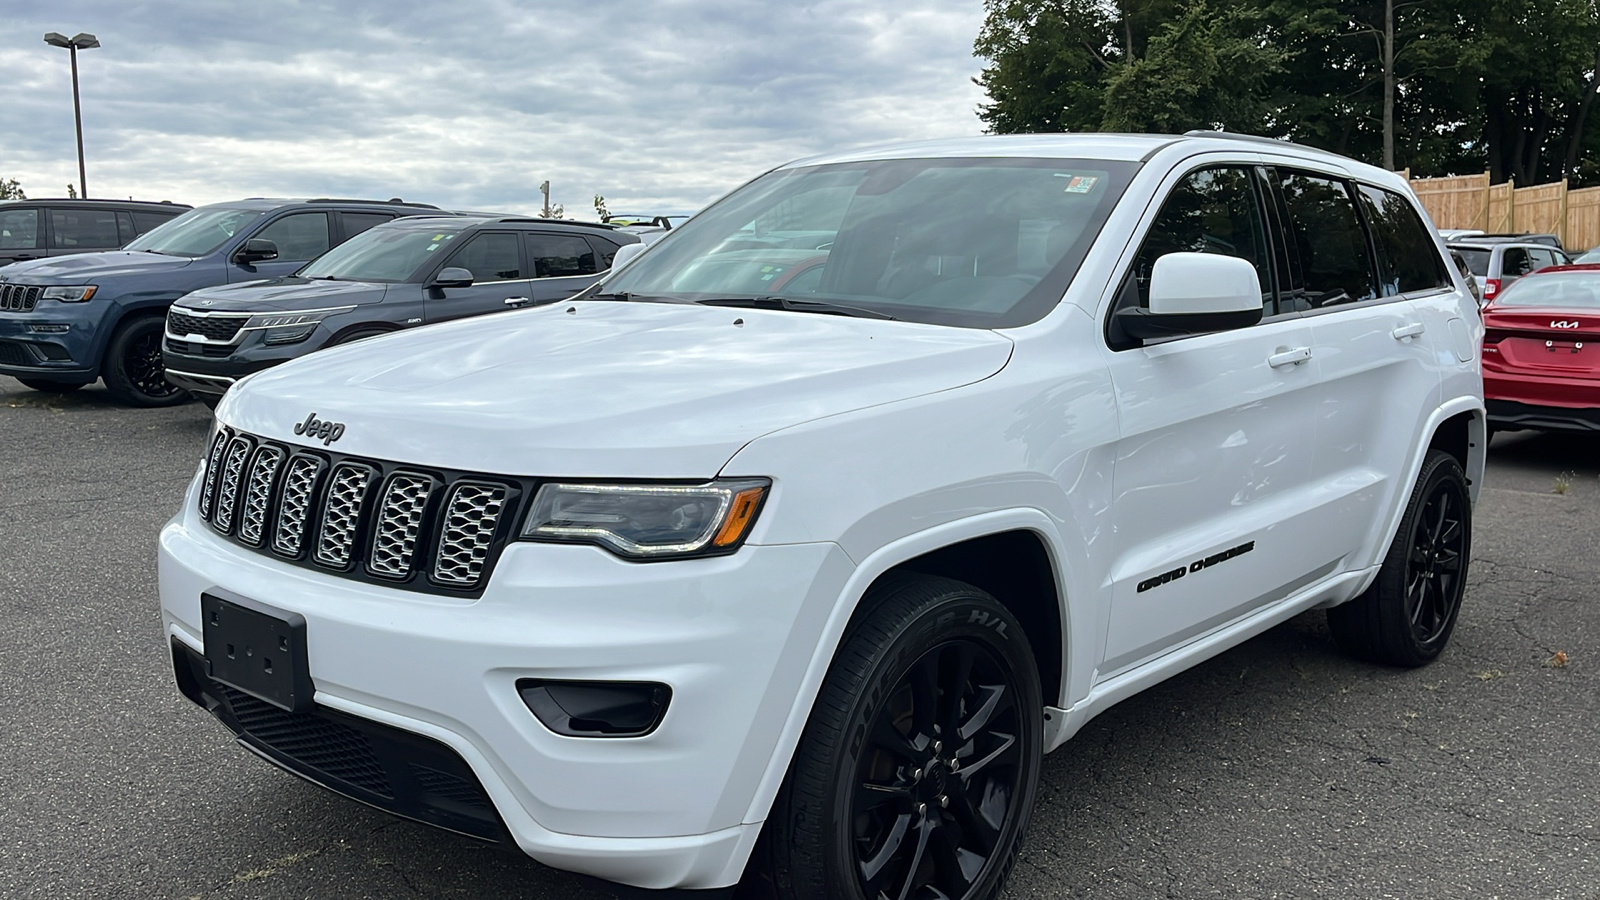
(80,41)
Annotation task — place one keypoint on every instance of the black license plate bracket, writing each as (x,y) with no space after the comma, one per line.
(258,649)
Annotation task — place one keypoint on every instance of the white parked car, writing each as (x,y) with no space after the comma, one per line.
(669,581)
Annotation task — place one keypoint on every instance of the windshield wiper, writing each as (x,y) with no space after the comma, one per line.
(825,307)
(634,298)
(322,278)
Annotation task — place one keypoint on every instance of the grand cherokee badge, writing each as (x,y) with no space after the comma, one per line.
(327,431)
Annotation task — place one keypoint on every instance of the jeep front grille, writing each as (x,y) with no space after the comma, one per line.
(19,297)
(364,519)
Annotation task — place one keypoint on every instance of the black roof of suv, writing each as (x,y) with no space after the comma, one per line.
(50,226)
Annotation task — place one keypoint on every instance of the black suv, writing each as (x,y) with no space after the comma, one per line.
(35,229)
(410,272)
(65,322)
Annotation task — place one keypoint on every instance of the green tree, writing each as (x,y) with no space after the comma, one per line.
(1206,68)
(11,190)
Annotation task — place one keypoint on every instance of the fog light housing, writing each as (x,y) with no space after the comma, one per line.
(596,708)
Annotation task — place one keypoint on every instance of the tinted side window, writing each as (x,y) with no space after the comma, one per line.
(144,221)
(1327,235)
(19,229)
(1477,260)
(1514,261)
(556,255)
(1543,258)
(1211,211)
(83,229)
(1408,259)
(300,236)
(605,250)
(356,222)
(490,257)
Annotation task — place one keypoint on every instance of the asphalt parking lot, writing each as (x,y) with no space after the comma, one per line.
(1279,769)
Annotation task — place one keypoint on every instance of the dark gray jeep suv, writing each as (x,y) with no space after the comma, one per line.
(35,229)
(409,272)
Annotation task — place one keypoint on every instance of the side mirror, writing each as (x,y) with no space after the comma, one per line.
(452,277)
(1193,293)
(255,250)
(625,254)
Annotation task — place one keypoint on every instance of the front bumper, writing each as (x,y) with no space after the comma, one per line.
(731,636)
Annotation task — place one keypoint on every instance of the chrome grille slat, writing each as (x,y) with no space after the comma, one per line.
(213,467)
(341,514)
(258,493)
(299,486)
(394,539)
(228,488)
(19,297)
(471,514)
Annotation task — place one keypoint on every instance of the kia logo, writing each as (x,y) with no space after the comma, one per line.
(1563,323)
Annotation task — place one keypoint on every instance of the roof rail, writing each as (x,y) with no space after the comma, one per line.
(531,220)
(392,201)
(1259,139)
(93,200)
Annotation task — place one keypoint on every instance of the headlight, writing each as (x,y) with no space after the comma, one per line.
(76,293)
(308,319)
(648,521)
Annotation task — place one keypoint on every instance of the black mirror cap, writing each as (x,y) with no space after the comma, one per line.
(452,277)
(256,250)
(1139,322)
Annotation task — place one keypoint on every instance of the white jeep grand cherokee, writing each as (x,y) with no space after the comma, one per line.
(799,542)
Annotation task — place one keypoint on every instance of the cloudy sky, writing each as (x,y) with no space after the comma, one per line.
(660,105)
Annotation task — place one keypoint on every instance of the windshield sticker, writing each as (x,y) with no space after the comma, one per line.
(1078,184)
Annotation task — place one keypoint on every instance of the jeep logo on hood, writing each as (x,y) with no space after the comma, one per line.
(327,431)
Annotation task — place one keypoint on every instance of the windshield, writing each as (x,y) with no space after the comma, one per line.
(386,253)
(196,232)
(973,242)
(1570,290)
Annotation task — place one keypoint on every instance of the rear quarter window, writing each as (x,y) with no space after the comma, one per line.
(1408,258)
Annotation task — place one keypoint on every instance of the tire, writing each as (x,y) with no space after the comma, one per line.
(1406,616)
(921,666)
(51,387)
(133,370)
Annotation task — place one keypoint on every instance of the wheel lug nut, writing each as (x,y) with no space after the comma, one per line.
(916,774)
(937,746)
(943,801)
(922,808)
(955,764)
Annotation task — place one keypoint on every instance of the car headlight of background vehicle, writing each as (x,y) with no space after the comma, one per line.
(648,521)
(76,293)
(288,328)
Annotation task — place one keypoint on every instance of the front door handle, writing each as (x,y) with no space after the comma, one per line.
(1408,331)
(1289,357)
(517,301)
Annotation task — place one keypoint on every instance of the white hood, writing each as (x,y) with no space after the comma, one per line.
(604,388)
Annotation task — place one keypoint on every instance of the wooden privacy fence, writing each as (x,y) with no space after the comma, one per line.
(1470,201)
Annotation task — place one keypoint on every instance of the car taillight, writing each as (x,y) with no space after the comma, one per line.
(1491,286)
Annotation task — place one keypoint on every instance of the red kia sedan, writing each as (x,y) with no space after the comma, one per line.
(1541,352)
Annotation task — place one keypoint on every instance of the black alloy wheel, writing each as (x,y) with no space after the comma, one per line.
(1406,616)
(916,775)
(1436,564)
(942,772)
(133,370)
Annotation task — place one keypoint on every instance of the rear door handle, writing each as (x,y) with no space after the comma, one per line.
(1407,331)
(1289,357)
(517,301)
